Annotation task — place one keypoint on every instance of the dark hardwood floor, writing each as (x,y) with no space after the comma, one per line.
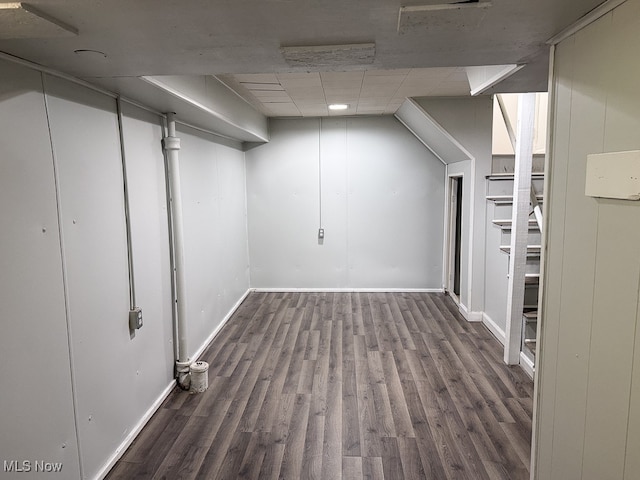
(344,385)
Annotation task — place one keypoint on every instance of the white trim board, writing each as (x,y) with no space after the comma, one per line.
(472,317)
(224,321)
(163,396)
(106,468)
(527,365)
(586,20)
(482,78)
(433,135)
(493,327)
(348,290)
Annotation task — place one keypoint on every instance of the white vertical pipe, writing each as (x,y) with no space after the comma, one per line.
(172,147)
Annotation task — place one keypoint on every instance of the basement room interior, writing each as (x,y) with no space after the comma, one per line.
(352,239)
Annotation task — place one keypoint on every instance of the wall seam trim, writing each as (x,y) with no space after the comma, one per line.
(63,263)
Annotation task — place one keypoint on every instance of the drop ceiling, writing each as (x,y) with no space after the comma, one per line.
(242,43)
(370,92)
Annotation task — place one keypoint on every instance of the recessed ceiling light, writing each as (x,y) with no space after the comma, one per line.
(338,106)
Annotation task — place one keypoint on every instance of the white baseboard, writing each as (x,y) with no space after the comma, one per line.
(165,393)
(135,431)
(527,365)
(348,290)
(224,321)
(469,316)
(494,328)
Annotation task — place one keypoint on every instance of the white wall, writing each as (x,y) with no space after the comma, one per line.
(469,121)
(589,368)
(35,351)
(215,229)
(382,206)
(77,383)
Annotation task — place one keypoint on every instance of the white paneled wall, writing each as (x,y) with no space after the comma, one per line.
(216,251)
(35,351)
(469,121)
(78,383)
(382,206)
(374,188)
(84,132)
(589,370)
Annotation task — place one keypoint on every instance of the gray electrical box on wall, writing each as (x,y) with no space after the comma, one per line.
(135,318)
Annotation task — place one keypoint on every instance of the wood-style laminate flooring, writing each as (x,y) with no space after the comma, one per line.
(344,385)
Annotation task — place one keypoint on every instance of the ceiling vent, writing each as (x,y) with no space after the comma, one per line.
(21,20)
(330,55)
(458,15)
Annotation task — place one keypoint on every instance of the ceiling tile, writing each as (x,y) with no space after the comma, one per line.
(256,78)
(283,109)
(383,80)
(262,86)
(316,92)
(300,80)
(267,94)
(396,71)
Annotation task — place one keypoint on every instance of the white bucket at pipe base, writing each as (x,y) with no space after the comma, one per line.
(199,377)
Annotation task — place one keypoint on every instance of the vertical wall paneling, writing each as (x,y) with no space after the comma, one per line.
(395,207)
(332,251)
(282,185)
(576,308)
(617,263)
(34,342)
(382,208)
(85,138)
(152,346)
(469,121)
(213,189)
(588,405)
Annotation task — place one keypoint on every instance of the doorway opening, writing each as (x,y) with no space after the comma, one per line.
(455,237)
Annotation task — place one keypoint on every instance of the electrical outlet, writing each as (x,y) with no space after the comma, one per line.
(135,318)
(321,233)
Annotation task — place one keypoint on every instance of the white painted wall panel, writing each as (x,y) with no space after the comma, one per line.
(213,188)
(34,344)
(496,269)
(588,406)
(556,197)
(396,207)
(234,250)
(469,120)
(283,207)
(151,368)
(382,207)
(85,137)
